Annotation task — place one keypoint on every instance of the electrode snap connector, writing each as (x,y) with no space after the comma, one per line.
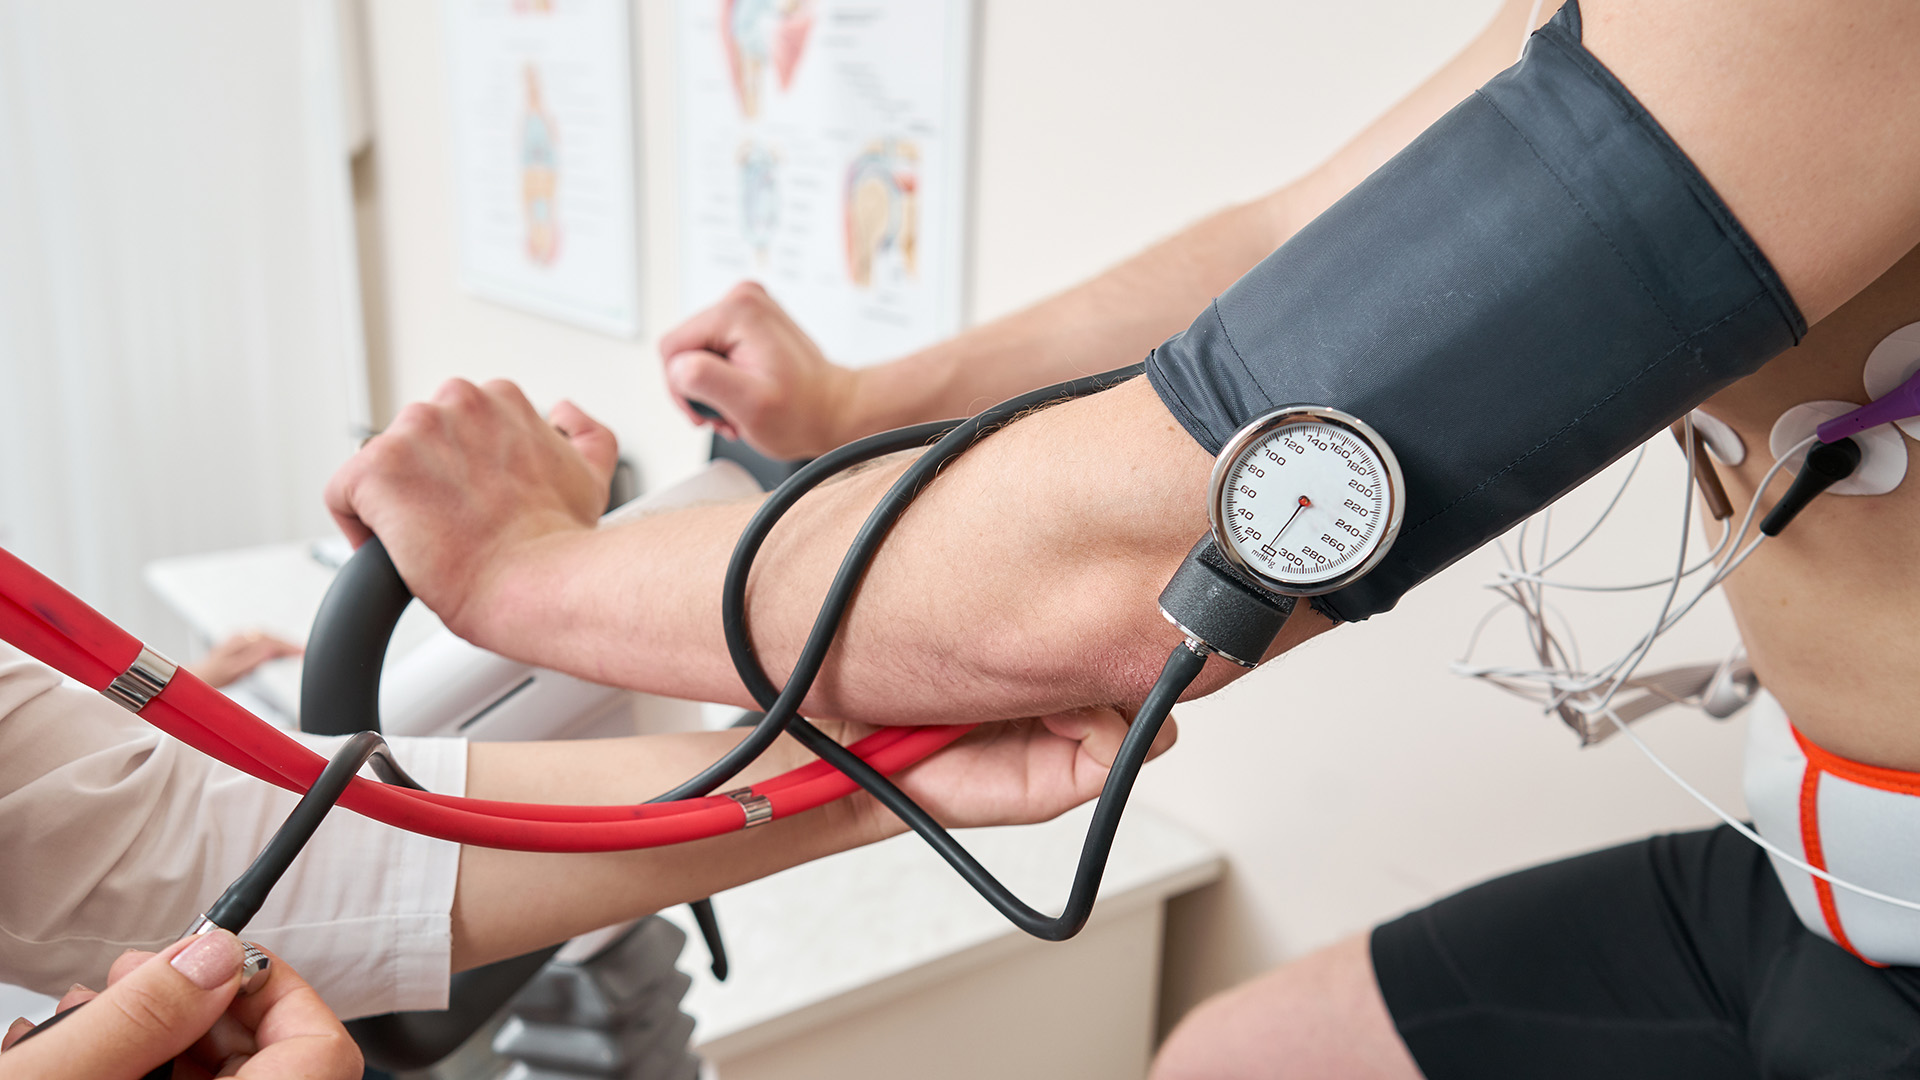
(1826,464)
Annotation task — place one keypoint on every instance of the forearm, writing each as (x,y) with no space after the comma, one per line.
(1108,493)
(511,902)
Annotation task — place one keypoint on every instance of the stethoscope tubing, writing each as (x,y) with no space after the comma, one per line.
(59,629)
(54,626)
(782,703)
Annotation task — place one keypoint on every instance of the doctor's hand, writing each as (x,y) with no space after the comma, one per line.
(181,1005)
(747,360)
(1014,772)
(457,482)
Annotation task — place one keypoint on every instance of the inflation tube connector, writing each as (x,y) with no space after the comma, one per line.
(1219,610)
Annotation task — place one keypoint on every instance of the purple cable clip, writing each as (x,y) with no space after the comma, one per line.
(1900,403)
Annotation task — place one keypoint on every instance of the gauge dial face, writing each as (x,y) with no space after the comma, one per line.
(1306,499)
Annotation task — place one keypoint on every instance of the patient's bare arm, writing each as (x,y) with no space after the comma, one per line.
(1023,581)
(1020,583)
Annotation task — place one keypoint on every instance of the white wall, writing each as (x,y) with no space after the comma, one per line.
(1349,782)
(179,343)
(433,330)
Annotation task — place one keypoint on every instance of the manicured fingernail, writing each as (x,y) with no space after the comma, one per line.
(71,989)
(210,961)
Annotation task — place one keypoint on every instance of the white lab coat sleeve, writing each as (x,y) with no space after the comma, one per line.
(115,836)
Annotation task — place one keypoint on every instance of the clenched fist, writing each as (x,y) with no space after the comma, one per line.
(460,485)
(748,361)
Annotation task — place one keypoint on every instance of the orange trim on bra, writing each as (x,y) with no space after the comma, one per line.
(1873,776)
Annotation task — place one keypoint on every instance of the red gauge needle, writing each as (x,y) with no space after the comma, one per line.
(1304,503)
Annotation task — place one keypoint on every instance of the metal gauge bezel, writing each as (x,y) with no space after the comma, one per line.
(1258,429)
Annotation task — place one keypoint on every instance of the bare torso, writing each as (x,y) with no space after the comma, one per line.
(1830,609)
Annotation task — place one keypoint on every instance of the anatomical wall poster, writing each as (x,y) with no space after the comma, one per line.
(823,153)
(543,140)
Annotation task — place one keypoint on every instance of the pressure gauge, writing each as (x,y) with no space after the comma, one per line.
(1306,499)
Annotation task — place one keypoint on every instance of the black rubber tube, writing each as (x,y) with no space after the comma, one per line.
(375,596)
(241,902)
(782,703)
(758,527)
(954,437)
(1182,666)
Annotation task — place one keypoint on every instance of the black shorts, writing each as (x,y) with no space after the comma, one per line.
(1672,957)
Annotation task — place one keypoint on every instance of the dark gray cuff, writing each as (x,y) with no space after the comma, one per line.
(1537,284)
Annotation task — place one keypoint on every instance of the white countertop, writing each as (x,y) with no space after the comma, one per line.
(276,588)
(833,936)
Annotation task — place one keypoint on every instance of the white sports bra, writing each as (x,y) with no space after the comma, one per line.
(1860,823)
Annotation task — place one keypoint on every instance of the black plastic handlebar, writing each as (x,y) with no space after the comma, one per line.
(340,695)
(340,684)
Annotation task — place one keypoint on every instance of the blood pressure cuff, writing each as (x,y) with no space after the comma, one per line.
(1537,284)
